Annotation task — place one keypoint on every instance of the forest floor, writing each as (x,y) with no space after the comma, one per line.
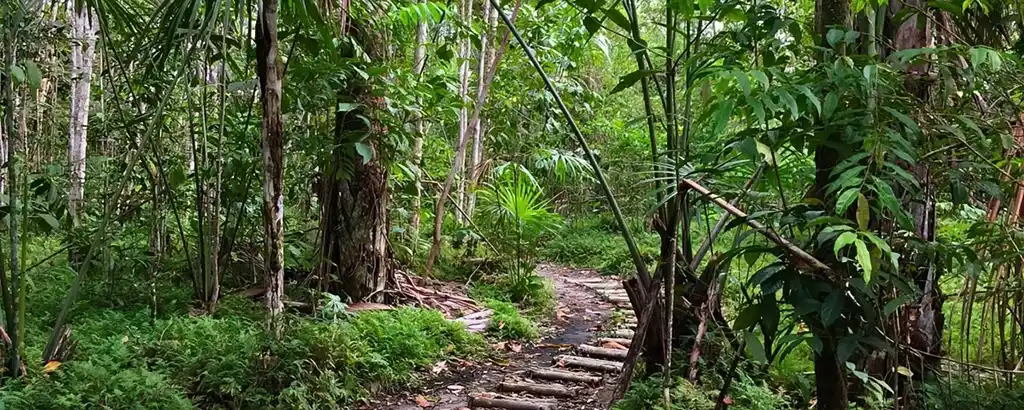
(582,315)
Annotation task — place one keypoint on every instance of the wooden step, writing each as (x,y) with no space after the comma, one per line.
(497,401)
(623,334)
(563,376)
(598,365)
(602,352)
(536,389)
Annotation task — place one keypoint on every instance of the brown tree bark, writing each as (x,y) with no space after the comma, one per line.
(355,223)
(272,137)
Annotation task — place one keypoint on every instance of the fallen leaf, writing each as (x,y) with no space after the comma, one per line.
(499,345)
(727,400)
(51,366)
(423,402)
(439,367)
(455,388)
(515,347)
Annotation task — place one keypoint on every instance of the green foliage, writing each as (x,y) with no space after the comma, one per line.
(508,324)
(959,393)
(592,242)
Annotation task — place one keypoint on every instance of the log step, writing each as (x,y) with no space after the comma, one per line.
(563,376)
(536,389)
(496,401)
(623,334)
(603,352)
(621,341)
(598,365)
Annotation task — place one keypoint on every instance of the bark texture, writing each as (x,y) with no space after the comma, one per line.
(272,137)
(84,26)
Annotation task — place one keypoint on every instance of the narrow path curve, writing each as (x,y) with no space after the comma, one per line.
(572,366)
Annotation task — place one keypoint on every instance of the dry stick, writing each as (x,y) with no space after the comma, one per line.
(800,257)
(634,251)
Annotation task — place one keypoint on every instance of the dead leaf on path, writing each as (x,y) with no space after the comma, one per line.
(455,388)
(614,345)
(499,345)
(439,367)
(515,347)
(423,402)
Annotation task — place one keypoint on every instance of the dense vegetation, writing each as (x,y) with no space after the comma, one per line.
(818,203)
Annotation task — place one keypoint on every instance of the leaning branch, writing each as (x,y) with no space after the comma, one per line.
(799,256)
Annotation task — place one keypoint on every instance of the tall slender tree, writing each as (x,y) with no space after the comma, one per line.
(272,141)
(84,26)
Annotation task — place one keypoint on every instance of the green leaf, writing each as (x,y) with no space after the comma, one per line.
(870,73)
(978,55)
(788,99)
(810,97)
(618,18)
(903,118)
(748,317)
(743,81)
(364,151)
(864,258)
(628,80)
(834,36)
(832,308)
(843,240)
(831,102)
(863,212)
(766,273)
(994,60)
(592,24)
(755,347)
(50,220)
(766,152)
(904,371)
(176,177)
(761,77)
(847,345)
(35,76)
(18,73)
(722,117)
(895,304)
(845,200)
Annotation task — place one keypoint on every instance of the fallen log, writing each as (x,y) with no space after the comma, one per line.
(599,365)
(563,375)
(623,334)
(603,352)
(498,402)
(553,390)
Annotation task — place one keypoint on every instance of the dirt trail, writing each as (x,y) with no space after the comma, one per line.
(572,366)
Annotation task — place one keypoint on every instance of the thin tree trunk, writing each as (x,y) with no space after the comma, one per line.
(459,161)
(17,302)
(418,64)
(84,25)
(487,60)
(272,136)
(435,245)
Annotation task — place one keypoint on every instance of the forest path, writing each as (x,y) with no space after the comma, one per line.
(572,366)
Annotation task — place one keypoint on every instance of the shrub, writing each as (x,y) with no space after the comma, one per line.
(508,324)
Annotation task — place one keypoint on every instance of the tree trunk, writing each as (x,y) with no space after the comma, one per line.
(829,374)
(418,64)
(84,25)
(459,161)
(272,136)
(356,226)
(486,60)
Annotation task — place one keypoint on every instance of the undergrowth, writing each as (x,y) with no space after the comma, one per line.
(226,361)
(595,242)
